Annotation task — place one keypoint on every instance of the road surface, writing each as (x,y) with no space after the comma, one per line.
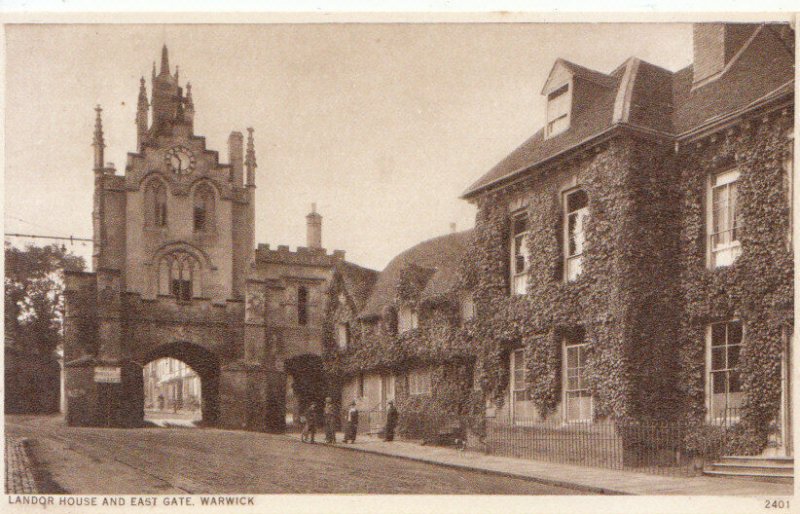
(211,461)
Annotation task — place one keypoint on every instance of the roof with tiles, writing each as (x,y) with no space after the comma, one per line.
(645,96)
(440,255)
(357,280)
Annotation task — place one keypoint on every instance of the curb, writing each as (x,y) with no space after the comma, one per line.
(464,467)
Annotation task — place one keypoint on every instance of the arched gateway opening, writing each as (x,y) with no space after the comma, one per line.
(181,380)
(305,385)
(173,394)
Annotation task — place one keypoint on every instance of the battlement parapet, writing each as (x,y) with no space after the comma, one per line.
(302,255)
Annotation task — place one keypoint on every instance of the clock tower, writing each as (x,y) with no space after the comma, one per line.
(173,243)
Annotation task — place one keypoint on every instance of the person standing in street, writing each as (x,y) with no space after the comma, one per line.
(391,422)
(352,423)
(330,421)
(311,423)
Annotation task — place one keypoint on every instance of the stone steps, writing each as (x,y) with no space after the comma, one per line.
(773,469)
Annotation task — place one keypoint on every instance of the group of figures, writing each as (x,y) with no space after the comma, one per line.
(330,415)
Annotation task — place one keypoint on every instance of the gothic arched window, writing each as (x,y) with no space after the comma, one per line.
(179,276)
(203,208)
(155,204)
(302,305)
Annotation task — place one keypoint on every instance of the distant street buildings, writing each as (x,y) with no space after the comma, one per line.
(171,385)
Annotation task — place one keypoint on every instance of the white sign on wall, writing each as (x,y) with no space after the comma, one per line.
(108,374)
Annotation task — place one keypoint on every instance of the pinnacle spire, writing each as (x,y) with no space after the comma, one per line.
(98,128)
(142,93)
(164,60)
(250,158)
(189,101)
(98,143)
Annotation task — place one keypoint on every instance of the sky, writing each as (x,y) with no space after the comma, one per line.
(382,125)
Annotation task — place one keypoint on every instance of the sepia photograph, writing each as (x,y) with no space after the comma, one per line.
(359,257)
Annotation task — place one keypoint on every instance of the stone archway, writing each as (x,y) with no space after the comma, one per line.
(308,383)
(204,362)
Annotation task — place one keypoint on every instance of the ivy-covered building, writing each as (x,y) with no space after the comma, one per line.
(633,258)
(404,340)
(631,261)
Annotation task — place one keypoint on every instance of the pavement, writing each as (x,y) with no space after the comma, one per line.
(582,478)
(19,472)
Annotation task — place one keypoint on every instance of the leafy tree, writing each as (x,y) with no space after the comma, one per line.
(34,300)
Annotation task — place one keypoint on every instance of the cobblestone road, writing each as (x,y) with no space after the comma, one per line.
(19,473)
(209,461)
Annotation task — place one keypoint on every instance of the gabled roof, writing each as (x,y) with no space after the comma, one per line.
(441,255)
(596,118)
(576,70)
(358,281)
(644,96)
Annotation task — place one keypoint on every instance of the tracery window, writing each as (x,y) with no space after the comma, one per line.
(179,276)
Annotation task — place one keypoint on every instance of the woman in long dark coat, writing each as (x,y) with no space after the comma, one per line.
(330,421)
(391,422)
(352,423)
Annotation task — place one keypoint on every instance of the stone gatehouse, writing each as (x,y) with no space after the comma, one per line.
(176,274)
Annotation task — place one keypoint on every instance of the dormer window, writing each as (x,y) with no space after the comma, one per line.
(408,319)
(467,309)
(559,103)
(343,335)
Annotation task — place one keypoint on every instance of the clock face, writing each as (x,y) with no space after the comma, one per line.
(180,160)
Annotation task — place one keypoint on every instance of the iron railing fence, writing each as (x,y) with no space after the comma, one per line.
(650,447)
(655,447)
(643,446)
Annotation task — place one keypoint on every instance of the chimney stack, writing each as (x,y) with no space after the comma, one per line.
(714,46)
(314,228)
(452,228)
